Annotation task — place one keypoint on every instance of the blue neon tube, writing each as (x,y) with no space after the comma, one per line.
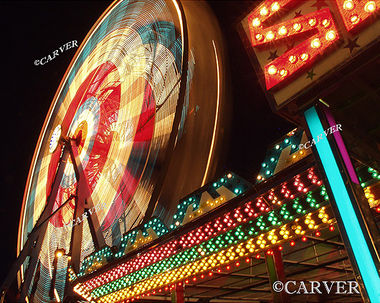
(366,265)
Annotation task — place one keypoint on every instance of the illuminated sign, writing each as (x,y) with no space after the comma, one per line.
(298,42)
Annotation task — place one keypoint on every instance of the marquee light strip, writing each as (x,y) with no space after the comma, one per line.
(346,210)
(195,237)
(225,257)
(320,24)
(284,214)
(228,221)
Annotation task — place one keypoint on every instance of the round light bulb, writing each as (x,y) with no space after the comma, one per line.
(326,22)
(348,5)
(330,35)
(283,72)
(282,31)
(292,59)
(297,27)
(269,35)
(370,6)
(272,70)
(355,19)
(264,11)
(312,21)
(315,43)
(275,7)
(259,37)
(304,57)
(256,22)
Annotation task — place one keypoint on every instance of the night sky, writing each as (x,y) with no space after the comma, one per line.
(32,30)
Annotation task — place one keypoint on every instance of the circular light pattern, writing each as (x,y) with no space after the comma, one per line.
(125,102)
(54,140)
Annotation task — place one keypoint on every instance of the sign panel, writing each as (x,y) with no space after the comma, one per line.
(299,43)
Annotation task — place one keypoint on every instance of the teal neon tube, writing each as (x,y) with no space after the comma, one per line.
(351,224)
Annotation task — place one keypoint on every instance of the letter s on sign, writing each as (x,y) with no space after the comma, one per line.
(319,23)
(301,55)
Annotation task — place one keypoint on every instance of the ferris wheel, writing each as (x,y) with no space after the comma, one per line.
(121,141)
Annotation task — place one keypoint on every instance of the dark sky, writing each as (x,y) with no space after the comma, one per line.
(32,30)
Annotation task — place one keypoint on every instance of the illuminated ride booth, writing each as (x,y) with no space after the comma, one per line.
(107,214)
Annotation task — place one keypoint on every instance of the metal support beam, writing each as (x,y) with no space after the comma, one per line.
(33,244)
(83,201)
(355,227)
(33,247)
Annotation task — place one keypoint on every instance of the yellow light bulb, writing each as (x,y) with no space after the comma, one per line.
(282,31)
(326,22)
(264,11)
(275,7)
(330,35)
(272,70)
(355,19)
(312,21)
(348,5)
(297,27)
(256,22)
(304,57)
(315,43)
(270,35)
(370,6)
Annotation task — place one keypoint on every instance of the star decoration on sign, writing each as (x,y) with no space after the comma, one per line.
(310,74)
(297,14)
(351,44)
(272,55)
(319,4)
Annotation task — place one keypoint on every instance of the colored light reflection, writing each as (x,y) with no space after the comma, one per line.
(347,213)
